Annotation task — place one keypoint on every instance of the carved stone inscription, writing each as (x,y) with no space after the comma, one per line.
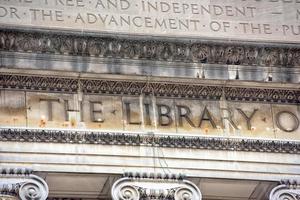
(268,20)
(124,113)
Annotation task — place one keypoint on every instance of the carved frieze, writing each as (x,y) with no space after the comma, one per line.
(135,139)
(157,50)
(138,87)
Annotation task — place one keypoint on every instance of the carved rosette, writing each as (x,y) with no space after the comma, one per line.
(142,187)
(21,184)
(288,190)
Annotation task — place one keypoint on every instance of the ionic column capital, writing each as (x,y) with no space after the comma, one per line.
(150,186)
(287,190)
(21,184)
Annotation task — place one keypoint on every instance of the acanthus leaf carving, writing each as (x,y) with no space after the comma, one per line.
(158,49)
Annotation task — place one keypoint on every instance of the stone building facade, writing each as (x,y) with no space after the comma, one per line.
(118,99)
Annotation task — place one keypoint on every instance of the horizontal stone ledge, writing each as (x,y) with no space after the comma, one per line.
(188,51)
(161,88)
(150,139)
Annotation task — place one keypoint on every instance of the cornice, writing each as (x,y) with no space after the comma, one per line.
(189,51)
(139,139)
(189,90)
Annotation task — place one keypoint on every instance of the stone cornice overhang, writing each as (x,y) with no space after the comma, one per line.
(150,139)
(151,48)
(150,86)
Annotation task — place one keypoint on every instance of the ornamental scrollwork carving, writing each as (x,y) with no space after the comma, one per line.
(128,50)
(154,186)
(293,57)
(251,56)
(234,55)
(149,51)
(159,89)
(22,184)
(200,53)
(184,193)
(218,54)
(287,190)
(271,57)
(32,190)
(164,51)
(140,139)
(128,192)
(7,41)
(181,52)
(154,49)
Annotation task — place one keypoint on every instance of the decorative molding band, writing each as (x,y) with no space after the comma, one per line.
(64,198)
(22,184)
(151,175)
(134,139)
(138,87)
(137,188)
(287,190)
(150,49)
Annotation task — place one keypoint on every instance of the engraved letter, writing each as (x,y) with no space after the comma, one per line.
(248,119)
(184,113)
(165,115)
(282,127)
(94,111)
(49,105)
(228,117)
(128,114)
(207,116)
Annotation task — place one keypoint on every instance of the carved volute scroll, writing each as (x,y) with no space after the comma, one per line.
(149,186)
(22,184)
(287,190)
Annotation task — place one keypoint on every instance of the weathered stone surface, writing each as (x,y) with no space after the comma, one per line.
(149,106)
(215,158)
(152,114)
(191,88)
(242,20)
(12,108)
(154,49)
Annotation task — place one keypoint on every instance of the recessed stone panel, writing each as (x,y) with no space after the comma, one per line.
(144,113)
(269,20)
